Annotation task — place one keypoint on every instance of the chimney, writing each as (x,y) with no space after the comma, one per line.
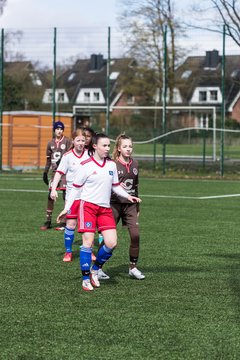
(212,59)
(96,62)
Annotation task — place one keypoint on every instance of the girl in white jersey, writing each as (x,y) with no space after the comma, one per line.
(94,180)
(68,166)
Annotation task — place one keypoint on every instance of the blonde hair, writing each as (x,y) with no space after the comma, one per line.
(116,152)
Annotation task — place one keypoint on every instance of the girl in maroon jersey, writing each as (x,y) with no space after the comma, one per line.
(122,208)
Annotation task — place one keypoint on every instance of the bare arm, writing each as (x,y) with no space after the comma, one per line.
(121,192)
(55,182)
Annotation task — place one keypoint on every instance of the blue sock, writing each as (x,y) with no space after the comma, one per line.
(68,239)
(85,261)
(104,253)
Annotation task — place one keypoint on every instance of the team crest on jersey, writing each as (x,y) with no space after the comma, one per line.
(111,173)
(63,146)
(88,224)
(135,171)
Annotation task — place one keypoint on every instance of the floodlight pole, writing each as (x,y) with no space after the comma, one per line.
(223,102)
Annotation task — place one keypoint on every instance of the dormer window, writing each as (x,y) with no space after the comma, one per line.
(90,95)
(207,95)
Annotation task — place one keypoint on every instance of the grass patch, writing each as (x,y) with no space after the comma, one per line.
(186,308)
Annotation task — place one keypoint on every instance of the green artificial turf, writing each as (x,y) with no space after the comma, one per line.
(186,308)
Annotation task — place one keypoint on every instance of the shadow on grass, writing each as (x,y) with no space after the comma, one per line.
(233,256)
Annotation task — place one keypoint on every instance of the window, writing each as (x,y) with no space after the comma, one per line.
(71,76)
(114,75)
(50,97)
(60,97)
(35,79)
(86,97)
(130,99)
(235,73)
(186,74)
(213,95)
(202,96)
(96,96)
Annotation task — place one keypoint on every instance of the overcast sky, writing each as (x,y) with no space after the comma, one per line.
(37,18)
(59,13)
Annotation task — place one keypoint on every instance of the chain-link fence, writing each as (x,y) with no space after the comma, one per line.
(44,70)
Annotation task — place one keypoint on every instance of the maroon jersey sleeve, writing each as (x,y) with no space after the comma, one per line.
(128,178)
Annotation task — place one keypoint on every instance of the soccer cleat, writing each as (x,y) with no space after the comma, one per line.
(67,257)
(102,275)
(87,286)
(136,274)
(93,257)
(47,225)
(94,278)
(61,227)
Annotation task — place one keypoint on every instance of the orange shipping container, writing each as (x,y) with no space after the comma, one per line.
(25,136)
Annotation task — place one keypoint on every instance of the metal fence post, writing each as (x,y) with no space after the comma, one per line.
(223,102)
(108,72)
(1,95)
(54,77)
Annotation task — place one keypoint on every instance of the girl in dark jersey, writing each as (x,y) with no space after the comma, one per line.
(122,208)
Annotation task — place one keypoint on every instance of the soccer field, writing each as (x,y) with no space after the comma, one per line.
(188,307)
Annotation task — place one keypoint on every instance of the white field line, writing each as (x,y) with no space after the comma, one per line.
(191,197)
(24,190)
(142,195)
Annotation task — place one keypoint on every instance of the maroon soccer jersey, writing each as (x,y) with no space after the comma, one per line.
(56,149)
(128,178)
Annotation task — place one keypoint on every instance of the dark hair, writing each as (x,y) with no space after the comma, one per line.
(95,139)
(89,129)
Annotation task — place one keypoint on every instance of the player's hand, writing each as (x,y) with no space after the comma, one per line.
(45,178)
(62,213)
(54,195)
(134,199)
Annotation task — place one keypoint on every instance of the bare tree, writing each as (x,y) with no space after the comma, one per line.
(229,12)
(144,23)
(2,4)
(213,14)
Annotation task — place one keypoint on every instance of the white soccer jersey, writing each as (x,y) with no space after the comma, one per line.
(96,181)
(69,165)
